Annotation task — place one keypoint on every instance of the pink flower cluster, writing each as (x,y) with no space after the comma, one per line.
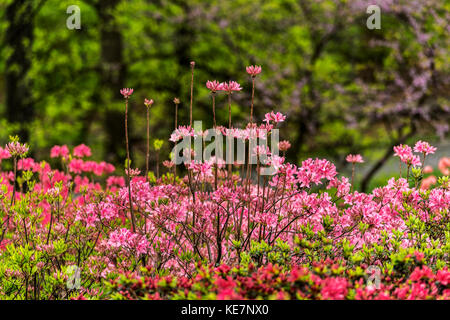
(124,239)
(404,152)
(79,166)
(126,92)
(354,158)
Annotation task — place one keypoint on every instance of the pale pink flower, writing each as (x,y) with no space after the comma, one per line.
(126,92)
(403,152)
(253,70)
(231,86)
(132,172)
(148,103)
(428,169)
(261,150)
(275,117)
(168,164)
(414,161)
(424,147)
(428,182)
(181,132)
(284,145)
(444,165)
(354,158)
(17,149)
(214,85)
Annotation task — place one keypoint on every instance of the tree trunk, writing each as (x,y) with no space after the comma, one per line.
(379,164)
(113,74)
(19,37)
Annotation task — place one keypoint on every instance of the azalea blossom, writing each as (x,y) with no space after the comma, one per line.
(126,92)
(230,86)
(253,70)
(17,149)
(59,151)
(424,147)
(284,145)
(82,151)
(275,117)
(214,86)
(357,158)
(148,103)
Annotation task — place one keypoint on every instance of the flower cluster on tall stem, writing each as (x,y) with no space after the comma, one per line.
(253,71)
(148,104)
(353,159)
(176,101)
(192,92)
(214,86)
(229,88)
(127,92)
(16,150)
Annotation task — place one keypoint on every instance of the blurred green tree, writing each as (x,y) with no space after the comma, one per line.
(345,88)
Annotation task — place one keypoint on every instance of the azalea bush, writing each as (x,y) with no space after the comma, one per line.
(76,228)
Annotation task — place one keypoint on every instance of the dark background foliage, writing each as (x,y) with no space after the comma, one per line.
(345,88)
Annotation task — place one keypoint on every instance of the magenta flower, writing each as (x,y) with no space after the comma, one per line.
(253,70)
(214,86)
(404,152)
(4,154)
(354,158)
(148,103)
(59,151)
(424,147)
(126,92)
(230,86)
(82,151)
(414,161)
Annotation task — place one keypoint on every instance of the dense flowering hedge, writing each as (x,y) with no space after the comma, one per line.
(324,280)
(220,231)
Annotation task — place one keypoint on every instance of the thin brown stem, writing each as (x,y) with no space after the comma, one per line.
(353,176)
(214,108)
(176,125)
(192,92)
(229,127)
(148,145)
(133,224)
(253,96)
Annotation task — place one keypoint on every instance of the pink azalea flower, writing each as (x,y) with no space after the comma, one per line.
(428,169)
(126,92)
(4,154)
(16,149)
(444,165)
(148,103)
(253,70)
(357,158)
(230,86)
(275,117)
(214,85)
(424,147)
(82,151)
(284,145)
